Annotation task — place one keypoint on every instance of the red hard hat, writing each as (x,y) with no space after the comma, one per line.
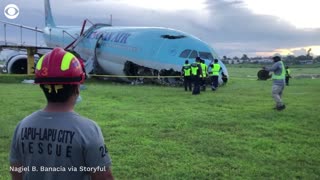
(59,67)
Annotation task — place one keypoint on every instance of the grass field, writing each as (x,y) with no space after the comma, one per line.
(156,132)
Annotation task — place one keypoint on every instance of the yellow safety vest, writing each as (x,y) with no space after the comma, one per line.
(216,69)
(204,68)
(282,75)
(187,69)
(288,72)
(194,69)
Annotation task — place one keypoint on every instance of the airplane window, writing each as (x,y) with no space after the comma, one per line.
(194,54)
(206,55)
(185,53)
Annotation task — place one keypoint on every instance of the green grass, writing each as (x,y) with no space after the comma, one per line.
(156,132)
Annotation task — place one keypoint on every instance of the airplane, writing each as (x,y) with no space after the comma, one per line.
(124,51)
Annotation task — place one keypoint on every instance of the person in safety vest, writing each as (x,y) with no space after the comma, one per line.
(214,74)
(196,74)
(288,75)
(186,71)
(278,77)
(56,142)
(204,68)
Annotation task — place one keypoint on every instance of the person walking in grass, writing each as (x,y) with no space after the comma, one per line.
(278,77)
(288,75)
(204,68)
(186,71)
(214,74)
(196,75)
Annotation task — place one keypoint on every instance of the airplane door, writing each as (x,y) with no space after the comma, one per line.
(92,64)
(97,56)
(97,48)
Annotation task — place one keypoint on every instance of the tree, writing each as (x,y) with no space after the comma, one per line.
(224,58)
(302,57)
(244,57)
(290,59)
(317,59)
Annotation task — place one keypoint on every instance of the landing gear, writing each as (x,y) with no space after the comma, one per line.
(132,69)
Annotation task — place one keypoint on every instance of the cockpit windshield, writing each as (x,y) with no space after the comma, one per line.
(185,53)
(193,55)
(205,55)
(188,54)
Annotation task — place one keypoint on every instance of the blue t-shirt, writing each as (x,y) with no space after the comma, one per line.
(58,145)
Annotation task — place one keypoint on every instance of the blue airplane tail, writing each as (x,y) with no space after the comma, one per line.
(49,22)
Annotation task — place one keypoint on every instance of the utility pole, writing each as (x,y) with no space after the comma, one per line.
(5,33)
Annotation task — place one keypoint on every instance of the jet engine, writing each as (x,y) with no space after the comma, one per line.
(17,64)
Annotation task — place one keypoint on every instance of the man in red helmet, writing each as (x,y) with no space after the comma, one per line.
(56,142)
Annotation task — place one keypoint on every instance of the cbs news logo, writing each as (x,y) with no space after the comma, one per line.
(11,11)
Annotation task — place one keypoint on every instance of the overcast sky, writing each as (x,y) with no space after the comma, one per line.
(231,27)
